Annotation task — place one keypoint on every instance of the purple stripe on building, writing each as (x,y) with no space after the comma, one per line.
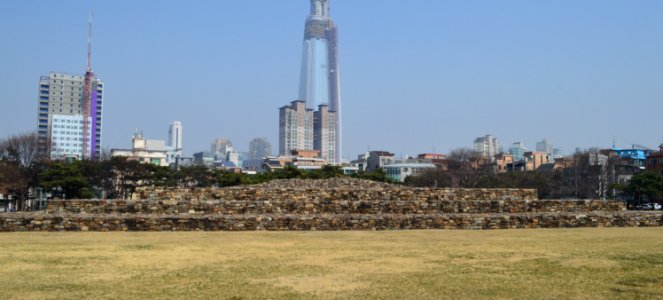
(93,128)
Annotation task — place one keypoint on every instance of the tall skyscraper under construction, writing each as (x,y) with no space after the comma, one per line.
(69,117)
(319,82)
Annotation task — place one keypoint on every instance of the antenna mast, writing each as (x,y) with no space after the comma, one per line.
(87,94)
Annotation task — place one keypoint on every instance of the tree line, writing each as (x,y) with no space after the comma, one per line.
(23,169)
(586,176)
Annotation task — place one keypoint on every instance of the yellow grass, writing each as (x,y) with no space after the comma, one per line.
(540,264)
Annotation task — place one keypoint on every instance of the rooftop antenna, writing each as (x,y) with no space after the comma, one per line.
(88,68)
(87,94)
(614,143)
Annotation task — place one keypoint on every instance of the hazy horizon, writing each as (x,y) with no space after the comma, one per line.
(415,76)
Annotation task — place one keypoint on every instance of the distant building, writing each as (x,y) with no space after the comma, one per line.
(350,170)
(655,161)
(295,127)
(182,162)
(301,128)
(300,159)
(204,159)
(255,165)
(518,150)
(504,163)
(399,172)
(60,111)
(378,159)
(564,163)
(175,143)
(433,158)
(361,162)
(545,146)
(271,164)
(534,160)
(557,153)
(487,146)
(233,157)
(637,156)
(144,151)
(324,133)
(306,160)
(259,148)
(222,146)
(175,136)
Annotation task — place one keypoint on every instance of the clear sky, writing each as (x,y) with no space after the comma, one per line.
(416,75)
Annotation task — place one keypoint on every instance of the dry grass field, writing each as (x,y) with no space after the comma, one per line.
(555,264)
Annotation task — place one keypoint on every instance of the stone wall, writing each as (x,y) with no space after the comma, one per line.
(136,222)
(305,205)
(338,194)
(334,204)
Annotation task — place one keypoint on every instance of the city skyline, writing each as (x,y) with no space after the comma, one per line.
(437,82)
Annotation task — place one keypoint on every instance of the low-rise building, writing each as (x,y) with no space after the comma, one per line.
(272,164)
(361,162)
(254,165)
(655,161)
(144,151)
(300,159)
(306,160)
(350,170)
(433,158)
(636,156)
(182,162)
(399,172)
(204,158)
(534,160)
(378,159)
(502,163)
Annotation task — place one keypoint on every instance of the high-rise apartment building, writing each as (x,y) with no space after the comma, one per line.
(60,117)
(175,144)
(175,136)
(319,81)
(544,146)
(487,146)
(259,148)
(518,150)
(295,127)
(324,133)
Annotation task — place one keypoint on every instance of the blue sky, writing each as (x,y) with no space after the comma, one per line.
(416,75)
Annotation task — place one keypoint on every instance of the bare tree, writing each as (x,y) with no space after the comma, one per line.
(464,168)
(21,157)
(21,148)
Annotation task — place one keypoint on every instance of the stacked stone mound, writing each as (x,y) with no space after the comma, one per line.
(332,204)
